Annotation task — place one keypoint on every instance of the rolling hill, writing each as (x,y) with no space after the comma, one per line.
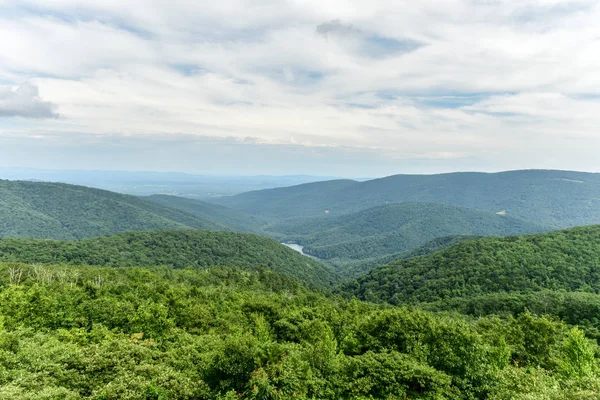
(62,211)
(557,199)
(176,249)
(563,261)
(393,228)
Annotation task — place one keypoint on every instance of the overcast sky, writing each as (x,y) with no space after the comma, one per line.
(354,88)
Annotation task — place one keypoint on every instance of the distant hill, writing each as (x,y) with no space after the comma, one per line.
(567,260)
(394,228)
(177,249)
(62,211)
(551,198)
(309,199)
(233,219)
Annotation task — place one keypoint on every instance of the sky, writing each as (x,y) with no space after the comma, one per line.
(327,87)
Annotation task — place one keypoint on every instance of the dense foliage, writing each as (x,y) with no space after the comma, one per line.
(557,199)
(132,333)
(355,268)
(567,260)
(394,228)
(177,249)
(60,211)
(575,308)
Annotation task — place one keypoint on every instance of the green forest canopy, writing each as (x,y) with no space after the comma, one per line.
(355,268)
(567,260)
(176,249)
(158,333)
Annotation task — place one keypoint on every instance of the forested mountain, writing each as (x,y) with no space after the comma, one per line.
(233,219)
(567,260)
(61,211)
(177,249)
(393,228)
(550,198)
(219,334)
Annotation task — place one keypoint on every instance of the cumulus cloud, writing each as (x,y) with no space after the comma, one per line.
(24,101)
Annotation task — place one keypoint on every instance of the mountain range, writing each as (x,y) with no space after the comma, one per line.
(557,199)
(164,297)
(349,225)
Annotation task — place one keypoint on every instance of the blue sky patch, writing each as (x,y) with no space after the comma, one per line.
(380,46)
(15,12)
(451,100)
(189,69)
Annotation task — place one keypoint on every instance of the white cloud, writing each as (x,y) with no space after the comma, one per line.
(24,101)
(486,77)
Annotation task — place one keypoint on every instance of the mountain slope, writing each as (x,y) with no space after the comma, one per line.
(177,249)
(567,260)
(355,268)
(233,219)
(394,228)
(552,198)
(61,211)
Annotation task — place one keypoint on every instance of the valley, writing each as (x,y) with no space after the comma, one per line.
(392,228)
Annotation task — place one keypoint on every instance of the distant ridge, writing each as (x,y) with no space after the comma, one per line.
(552,198)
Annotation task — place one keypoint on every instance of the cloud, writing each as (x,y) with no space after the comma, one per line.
(335,27)
(25,101)
(495,81)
